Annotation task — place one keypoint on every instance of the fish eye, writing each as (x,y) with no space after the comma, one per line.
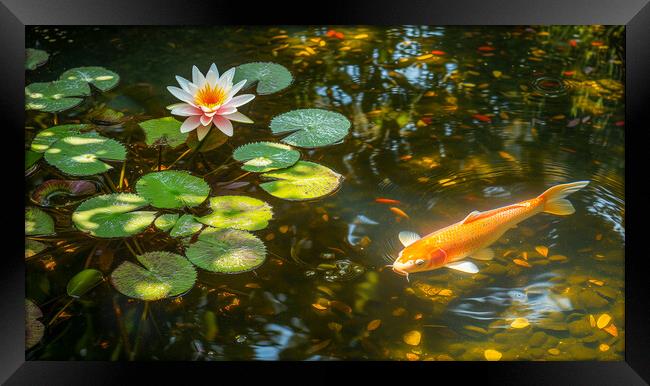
(419,262)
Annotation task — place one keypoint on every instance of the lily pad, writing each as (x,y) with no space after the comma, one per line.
(239,212)
(113,215)
(56,96)
(227,251)
(31,158)
(213,140)
(35,58)
(185,226)
(303,181)
(82,154)
(45,138)
(83,282)
(270,77)
(58,193)
(33,247)
(34,329)
(311,127)
(166,221)
(163,131)
(37,222)
(164,275)
(265,156)
(172,189)
(99,77)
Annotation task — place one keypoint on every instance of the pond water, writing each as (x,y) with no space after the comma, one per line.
(445,120)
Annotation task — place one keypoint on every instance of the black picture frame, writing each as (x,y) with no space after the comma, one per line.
(635,14)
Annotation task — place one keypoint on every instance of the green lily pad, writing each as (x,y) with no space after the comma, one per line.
(33,247)
(35,58)
(311,127)
(82,154)
(303,181)
(166,221)
(99,77)
(172,189)
(213,140)
(37,222)
(239,212)
(185,226)
(265,156)
(34,329)
(227,251)
(163,131)
(270,77)
(83,282)
(31,158)
(45,138)
(53,97)
(113,215)
(164,275)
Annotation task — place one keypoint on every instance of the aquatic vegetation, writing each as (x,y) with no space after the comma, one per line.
(35,58)
(37,222)
(186,225)
(163,131)
(303,181)
(166,221)
(311,127)
(270,77)
(113,215)
(55,96)
(238,212)
(99,77)
(46,138)
(172,189)
(48,194)
(83,154)
(265,156)
(209,100)
(227,251)
(162,275)
(83,282)
(34,329)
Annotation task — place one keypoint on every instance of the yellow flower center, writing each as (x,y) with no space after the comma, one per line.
(210,96)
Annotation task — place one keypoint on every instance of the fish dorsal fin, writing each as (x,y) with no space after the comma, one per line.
(463,266)
(471,217)
(483,254)
(407,238)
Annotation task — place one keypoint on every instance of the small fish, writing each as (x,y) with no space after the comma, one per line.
(471,237)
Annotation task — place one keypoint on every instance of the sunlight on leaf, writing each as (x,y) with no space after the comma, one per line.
(265,156)
(83,282)
(166,221)
(55,96)
(113,215)
(35,58)
(34,329)
(82,155)
(311,127)
(239,212)
(37,222)
(185,226)
(227,251)
(270,77)
(303,181)
(172,189)
(99,77)
(163,131)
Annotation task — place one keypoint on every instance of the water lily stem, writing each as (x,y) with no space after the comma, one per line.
(122,175)
(120,323)
(136,345)
(137,246)
(159,157)
(109,181)
(56,119)
(224,166)
(130,249)
(186,152)
(90,256)
(60,312)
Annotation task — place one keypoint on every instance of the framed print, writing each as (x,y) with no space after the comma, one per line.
(211,189)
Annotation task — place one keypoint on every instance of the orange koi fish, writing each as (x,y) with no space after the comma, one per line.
(472,236)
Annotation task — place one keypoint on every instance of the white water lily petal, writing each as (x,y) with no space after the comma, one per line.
(202,131)
(238,117)
(223,110)
(211,78)
(213,68)
(240,100)
(235,89)
(223,124)
(197,77)
(205,120)
(190,124)
(225,81)
(183,83)
(181,94)
(175,105)
(186,110)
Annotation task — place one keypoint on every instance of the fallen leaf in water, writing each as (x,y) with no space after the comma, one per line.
(387,201)
(476,329)
(497,73)
(599,237)
(597,282)
(373,325)
(524,255)
(603,320)
(482,118)
(445,292)
(399,311)
(438,52)
(399,212)
(417,316)
(522,263)
(319,307)
(412,337)
(269,237)
(553,351)
(325,290)
(360,36)
(412,357)
(486,48)
(424,57)
(603,347)
(284,229)
(318,346)
(569,73)
(592,321)
(341,306)
(519,323)
(542,250)
(492,355)
(507,156)
(557,258)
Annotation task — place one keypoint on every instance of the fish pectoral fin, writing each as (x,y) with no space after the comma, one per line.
(463,266)
(483,254)
(407,238)
(470,217)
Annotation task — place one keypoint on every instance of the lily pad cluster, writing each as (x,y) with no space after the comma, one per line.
(69,91)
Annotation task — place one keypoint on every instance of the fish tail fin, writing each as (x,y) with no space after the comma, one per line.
(554,201)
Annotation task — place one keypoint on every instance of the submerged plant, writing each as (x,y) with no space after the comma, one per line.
(208,100)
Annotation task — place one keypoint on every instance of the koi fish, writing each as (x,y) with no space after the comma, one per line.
(471,237)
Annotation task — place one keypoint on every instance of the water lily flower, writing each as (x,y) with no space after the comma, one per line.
(208,100)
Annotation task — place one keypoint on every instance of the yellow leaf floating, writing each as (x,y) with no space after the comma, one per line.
(522,263)
(424,57)
(542,250)
(492,355)
(519,323)
(597,282)
(361,36)
(553,351)
(603,347)
(373,325)
(592,321)
(611,330)
(412,338)
(603,320)
(497,74)
(412,357)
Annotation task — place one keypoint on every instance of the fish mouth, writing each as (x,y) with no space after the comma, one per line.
(400,271)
